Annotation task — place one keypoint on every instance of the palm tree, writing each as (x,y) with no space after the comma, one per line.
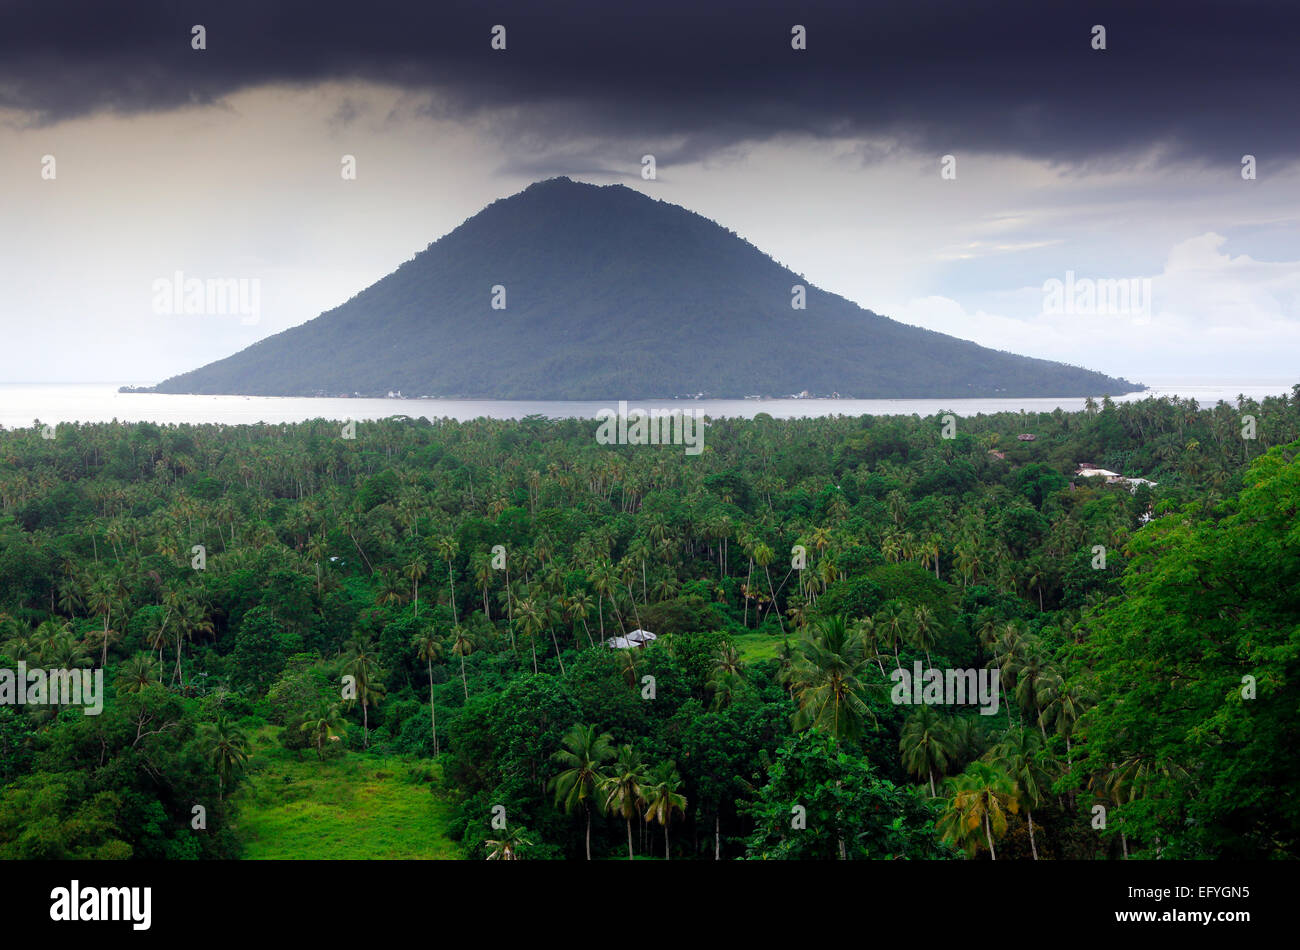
(363,666)
(664,587)
(137,673)
(530,622)
(726,674)
(326,726)
(1062,704)
(763,557)
(414,571)
(622,789)
(105,597)
(509,847)
(483,574)
(891,621)
(927,745)
(1021,755)
(639,551)
(429,647)
(391,590)
(317,550)
(583,754)
(604,581)
(866,629)
(663,798)
(827,680)
(982,797)
(923,630)
(227,750)
(579,606)
(463,643)
(1031,672)
(447,550)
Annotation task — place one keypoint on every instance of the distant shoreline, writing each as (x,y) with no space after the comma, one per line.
(835,397)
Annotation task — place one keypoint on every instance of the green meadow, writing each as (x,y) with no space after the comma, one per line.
(352,806)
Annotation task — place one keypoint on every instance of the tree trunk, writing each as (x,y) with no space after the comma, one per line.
(588,832)
(988,834)
(667,852)
(717,837)
(452,579)
(749,578)
(1033,846)
(629,838)
(557,651)
(433,715)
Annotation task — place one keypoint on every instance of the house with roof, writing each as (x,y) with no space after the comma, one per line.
(637,638)
(1087,470)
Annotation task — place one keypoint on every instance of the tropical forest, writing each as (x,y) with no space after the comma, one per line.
(504,640)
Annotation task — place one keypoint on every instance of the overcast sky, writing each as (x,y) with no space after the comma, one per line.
(225,162)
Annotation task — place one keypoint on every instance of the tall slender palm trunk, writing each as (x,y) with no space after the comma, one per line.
(433,715)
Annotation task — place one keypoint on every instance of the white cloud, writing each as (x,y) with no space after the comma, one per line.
(1212,312)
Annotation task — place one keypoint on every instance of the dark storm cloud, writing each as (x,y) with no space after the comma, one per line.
(1212,80)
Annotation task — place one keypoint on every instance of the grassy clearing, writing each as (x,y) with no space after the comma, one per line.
(355,806)
(759,646)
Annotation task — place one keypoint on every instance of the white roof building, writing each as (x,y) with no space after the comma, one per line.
(1112,478)
(637,638)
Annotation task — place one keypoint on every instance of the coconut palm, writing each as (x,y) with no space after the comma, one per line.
(664,798)
(531,624)
(927,745)
(1062,704)
(1021,755)
(362,665)
(227,750)
(923,631)
(578,607)
(980,799)
(584,754)
(463,643)
(622,789)
(483,575)
(415,571)
(509,847)
(137,673)
(828,687)
(763,557)
(448,548)
(326,726)
(430,647)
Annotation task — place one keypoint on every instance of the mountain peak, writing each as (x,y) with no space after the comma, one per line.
(559,292)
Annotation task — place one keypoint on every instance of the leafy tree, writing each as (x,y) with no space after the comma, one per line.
(821,803)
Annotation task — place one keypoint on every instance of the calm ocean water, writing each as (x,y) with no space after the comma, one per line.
(21,404)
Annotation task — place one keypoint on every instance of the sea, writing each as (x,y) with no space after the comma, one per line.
(27,404)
